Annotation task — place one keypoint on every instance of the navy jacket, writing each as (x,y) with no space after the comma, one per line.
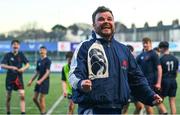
(113,71)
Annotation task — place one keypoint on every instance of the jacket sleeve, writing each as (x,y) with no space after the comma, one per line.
(138,83)
(78,70)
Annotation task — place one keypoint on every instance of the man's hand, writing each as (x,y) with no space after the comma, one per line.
(64,94)
(157,86)
(39,82)
(157,99)
(21,70)
(29,83)
(86,85)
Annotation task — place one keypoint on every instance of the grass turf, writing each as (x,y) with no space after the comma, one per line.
(54,93)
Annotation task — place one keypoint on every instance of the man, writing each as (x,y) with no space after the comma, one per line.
(13,62)
(138,105)
(67,89)
(151,67)
(100,71)
(170,68)
(42,84)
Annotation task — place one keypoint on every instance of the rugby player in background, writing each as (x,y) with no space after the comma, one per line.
(170,68)
(42,84)
(13,62)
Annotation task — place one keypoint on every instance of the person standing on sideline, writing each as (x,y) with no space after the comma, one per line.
(67,89)
(149,62)
(170,69)
(42,84)
(103,71)
(13,62)
(138,105)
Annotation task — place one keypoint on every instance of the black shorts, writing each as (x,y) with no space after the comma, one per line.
(43,88)
(169,87)
(14,84)
(132,99)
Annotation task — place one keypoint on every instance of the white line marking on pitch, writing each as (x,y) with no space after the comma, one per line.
(55,105)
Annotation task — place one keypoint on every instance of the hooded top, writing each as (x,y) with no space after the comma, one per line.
(113,71)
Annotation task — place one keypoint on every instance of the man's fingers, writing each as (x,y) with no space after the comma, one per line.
(88,82)
(86,85)
(157,99)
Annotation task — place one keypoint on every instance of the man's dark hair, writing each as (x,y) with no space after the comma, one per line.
(43,47)
(15,41)
(100,9)
(146,39)
(130,47)
(156,49)
(164,44)
(69,54)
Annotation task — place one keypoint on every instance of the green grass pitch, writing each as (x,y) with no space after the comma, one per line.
(52,97)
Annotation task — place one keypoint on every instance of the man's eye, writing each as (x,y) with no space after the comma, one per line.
(100,19)
(109,19)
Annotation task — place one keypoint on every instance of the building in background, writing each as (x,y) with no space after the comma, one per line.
(157,33)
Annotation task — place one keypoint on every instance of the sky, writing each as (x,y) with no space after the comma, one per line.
(15,14)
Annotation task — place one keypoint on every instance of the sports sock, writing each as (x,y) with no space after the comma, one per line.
(8,113)
(43,113)
(23,113)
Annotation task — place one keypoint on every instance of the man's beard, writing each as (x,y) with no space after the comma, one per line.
(106,35)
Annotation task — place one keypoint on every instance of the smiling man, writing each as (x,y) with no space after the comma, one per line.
(13,62)
(42,84)
(101,68)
